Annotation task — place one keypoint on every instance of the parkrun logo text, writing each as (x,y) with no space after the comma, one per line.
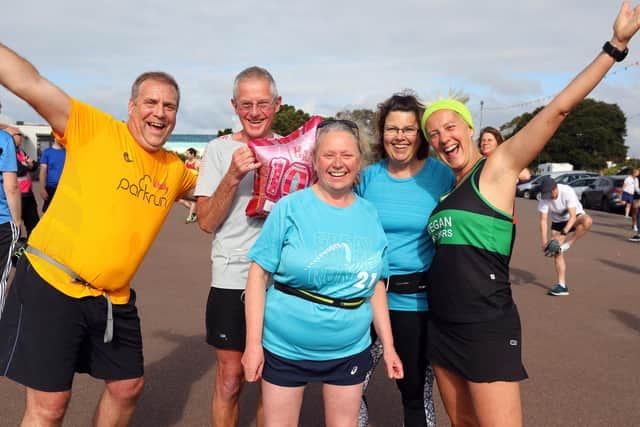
(146,190)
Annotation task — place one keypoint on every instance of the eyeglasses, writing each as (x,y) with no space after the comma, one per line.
(408,131)
(352,126)
(262,105)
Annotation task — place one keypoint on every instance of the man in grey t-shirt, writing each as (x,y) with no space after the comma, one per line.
(223,191)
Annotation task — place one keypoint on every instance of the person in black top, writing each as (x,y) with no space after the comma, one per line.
(474,329)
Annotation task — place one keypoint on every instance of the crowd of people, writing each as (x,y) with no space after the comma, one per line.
(406,260)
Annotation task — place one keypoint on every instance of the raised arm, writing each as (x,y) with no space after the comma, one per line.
(22,79)
(517,152)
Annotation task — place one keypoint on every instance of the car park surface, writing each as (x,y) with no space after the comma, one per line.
(581,351)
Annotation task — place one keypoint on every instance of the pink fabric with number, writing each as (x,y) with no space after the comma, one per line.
(24,182)
(286,166)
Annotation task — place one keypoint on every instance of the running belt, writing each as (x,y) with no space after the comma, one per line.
(108,332)
(407,283)
(320,299)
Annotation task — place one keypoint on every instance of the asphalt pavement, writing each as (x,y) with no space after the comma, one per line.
(581,351)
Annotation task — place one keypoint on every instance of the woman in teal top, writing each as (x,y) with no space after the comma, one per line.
(326,251)
(474,329)
(405,187)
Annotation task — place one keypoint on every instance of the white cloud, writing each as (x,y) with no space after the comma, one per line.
(326,56)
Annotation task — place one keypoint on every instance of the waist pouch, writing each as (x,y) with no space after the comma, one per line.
(407,283)
(320,299)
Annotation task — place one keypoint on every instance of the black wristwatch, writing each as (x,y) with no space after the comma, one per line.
(614,52)
(564,233)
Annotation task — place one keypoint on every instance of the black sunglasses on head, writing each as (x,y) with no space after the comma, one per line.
(348,123)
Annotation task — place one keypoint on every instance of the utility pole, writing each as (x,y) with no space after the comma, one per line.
(481,112)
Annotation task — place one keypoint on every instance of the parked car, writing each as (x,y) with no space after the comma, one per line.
(581,184)
(561,178)
(522,190)
(568,177)
(604,193)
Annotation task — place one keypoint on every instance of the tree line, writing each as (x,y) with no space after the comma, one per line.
(592,134)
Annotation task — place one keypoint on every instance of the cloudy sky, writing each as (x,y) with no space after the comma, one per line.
(326,56)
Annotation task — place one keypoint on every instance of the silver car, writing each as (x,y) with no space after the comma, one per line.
(581,184)
(524,189)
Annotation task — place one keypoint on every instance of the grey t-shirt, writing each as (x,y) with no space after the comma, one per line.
(236,235)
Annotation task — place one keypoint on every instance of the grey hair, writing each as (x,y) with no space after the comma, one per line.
(255,73)
(160,76)
(338,126)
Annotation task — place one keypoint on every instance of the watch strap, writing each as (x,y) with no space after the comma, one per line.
(614,52)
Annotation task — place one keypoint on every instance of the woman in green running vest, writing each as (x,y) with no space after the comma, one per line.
(474,328)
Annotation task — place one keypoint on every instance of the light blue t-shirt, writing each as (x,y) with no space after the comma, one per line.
(8,163)
(404,207)
(338,252)
(54,159)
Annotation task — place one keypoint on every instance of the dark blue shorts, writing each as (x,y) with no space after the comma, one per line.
(284,372)
(627,197)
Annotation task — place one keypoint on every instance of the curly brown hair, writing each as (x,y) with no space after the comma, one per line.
(402,101)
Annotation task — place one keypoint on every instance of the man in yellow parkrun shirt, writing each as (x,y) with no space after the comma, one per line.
(70,308)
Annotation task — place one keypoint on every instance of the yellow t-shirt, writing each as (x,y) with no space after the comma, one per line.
(112,199)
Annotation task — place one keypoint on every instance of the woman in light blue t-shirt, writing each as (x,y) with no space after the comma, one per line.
(326,251)
(405,187)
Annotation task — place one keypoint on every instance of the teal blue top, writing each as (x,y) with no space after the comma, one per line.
(404,207)
(337,252)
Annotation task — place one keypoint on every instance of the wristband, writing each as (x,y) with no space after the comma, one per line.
(614,52)
(564,233)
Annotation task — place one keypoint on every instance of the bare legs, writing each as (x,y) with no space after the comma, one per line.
(226,393)
(118,402)
(479,404)
(191,205)
(229,382)
(583,225)
(282,404)
(116,406)
(45,409)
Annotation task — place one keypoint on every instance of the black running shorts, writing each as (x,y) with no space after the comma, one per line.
(226,326)
(479,352)
(47,336)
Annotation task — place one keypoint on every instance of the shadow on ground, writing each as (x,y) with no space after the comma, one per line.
(168,381)
(624,267)
(628,319)
(523,277)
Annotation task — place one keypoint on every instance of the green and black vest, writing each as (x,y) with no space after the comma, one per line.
(469,276)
